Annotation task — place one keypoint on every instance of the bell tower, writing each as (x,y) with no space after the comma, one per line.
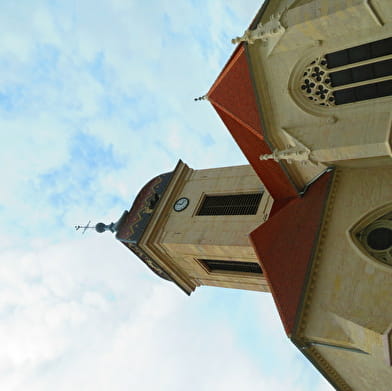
(192,226)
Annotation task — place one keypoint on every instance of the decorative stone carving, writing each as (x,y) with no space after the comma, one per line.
(316,83)
(263,32)
(290,155)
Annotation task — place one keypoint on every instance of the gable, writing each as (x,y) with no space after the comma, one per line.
(234,99)
(284,245)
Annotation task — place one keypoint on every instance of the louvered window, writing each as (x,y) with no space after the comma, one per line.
(350,75)
(214,265)
(236,204)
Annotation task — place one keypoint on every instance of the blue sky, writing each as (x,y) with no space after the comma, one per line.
(96,98)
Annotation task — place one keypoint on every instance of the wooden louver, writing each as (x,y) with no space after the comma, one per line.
(225,265)
(237,204)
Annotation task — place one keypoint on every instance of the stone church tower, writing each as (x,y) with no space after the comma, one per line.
(307,96)
(191,227)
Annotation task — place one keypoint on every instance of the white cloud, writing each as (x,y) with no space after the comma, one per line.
(89,315)
(94,104)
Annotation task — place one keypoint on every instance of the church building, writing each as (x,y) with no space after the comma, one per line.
(307,96)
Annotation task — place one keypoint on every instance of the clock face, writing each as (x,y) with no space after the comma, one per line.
(181,204)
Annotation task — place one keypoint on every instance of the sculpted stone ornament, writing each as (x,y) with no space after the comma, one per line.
(263,31)
(290,155)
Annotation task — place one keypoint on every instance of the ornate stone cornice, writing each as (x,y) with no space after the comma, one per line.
(331,372)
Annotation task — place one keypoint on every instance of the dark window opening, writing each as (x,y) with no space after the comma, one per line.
(235,266)
(364,52)
(364,92)
(237,204)
(380,238)
(361,73)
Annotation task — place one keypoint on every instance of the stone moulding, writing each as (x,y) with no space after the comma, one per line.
(317,255)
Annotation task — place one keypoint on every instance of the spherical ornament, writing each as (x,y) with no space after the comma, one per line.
(101,227)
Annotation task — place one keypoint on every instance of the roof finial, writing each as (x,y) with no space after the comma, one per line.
(204,97)
(85,227)
(100,227)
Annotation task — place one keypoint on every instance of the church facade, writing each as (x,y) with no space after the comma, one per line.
(307,96)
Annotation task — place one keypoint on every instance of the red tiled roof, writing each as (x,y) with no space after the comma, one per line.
(232,95)
(252,146)
(233,91)
(284,245)
(285,242)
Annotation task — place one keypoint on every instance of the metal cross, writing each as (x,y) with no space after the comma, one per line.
(85,227)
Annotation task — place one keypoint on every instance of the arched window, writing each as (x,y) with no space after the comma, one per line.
(350,75)
(372,235)
(376,238)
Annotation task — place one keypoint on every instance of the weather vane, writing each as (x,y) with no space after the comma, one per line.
(100,227)
(84,227)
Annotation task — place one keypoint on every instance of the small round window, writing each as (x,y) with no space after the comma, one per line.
(376,238)
(380,239)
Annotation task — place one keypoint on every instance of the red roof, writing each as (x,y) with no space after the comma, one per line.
(233,97)
(231,91)
(284,245)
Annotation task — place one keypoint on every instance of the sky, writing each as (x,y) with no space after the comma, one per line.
(96,98)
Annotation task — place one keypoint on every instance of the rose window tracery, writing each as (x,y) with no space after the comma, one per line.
(316,83)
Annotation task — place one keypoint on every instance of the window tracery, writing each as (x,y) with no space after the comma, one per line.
(351,75)
(316,83)
(376,238)
(372,236)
